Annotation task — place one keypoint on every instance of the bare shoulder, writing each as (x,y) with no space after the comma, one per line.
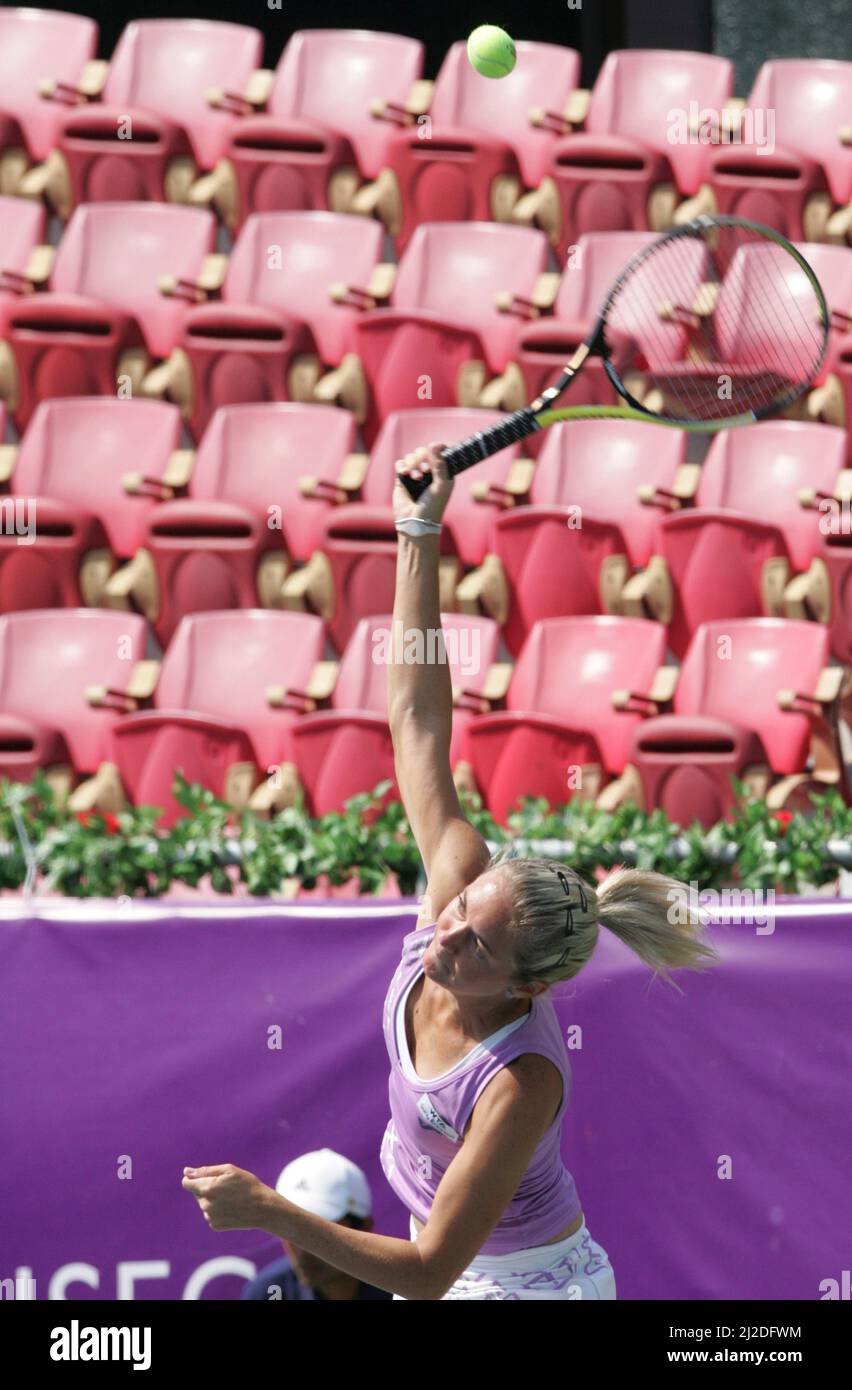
(525,1091)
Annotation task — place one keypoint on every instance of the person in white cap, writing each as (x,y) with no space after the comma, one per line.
(331,1186)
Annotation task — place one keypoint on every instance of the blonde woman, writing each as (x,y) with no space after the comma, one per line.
(479,1070)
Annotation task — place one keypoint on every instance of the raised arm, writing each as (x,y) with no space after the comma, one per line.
(420,701)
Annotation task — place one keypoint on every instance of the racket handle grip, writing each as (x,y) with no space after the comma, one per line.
(476,447)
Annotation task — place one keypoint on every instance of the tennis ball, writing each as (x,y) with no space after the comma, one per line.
(491,51)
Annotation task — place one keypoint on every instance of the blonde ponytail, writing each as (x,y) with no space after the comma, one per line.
(650,913)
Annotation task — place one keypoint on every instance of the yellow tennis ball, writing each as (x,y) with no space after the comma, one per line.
(491,51)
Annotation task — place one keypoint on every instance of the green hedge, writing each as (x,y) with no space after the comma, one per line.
(93,855)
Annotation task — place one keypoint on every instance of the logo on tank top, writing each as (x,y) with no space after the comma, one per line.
(430,1119)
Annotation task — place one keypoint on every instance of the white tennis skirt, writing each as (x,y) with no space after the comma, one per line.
(574,1268)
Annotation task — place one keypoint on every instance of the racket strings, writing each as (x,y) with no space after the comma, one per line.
(755,348)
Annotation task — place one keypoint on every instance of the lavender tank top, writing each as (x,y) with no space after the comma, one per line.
(428,1117)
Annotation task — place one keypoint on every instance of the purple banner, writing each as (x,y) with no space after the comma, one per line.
(708,1132)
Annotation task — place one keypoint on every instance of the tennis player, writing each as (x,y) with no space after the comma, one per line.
(480,1076)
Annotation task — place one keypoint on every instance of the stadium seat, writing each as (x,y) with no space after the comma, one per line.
(750,366)
(120,288)
(707,564)
(230,687)
(479,145)
(611,470)
(351,575)
(461,291)
(87,476)
(295,286)
(348,749)
(579,688)
(23,255)
(65,679)
(780,471)
(631,155)
(546,562)
(545,343)
(307,135)
(831,399)
(151,131)
(755,700)
(36,45)
(786,162)
(231,541)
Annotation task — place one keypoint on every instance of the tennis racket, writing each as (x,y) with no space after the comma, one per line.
(715,324)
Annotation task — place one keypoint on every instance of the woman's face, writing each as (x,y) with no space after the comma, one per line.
(471,951)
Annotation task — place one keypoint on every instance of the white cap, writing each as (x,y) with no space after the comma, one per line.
(327,1184)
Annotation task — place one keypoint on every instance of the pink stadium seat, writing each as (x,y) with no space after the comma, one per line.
(444,312)
(297,282)
(213,719)
(310,138)
(546,562)
(68,479)
(598,467)
(471,156)
(34,45)
(759,473)
(627,169)
(832,398)
(105,312)
(561,731)
(230,542)
(347,749)
(48,661)
(789,175)
(836,554)
(544,344)
(742,352)
(710,564)
(352,575)
(22,229)
(732,718)
(155,89)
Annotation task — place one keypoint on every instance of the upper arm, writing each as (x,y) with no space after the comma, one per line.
(508,1120)
(453,851)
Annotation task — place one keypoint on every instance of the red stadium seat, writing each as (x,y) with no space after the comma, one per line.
(352,574)
(305,136)
(296,284)
(106,312)
(791,174)
(36,45)
(478,147)
(710,564)
(546,562)
(579,689)
(461,291)
(152,131)
(599,466)
(230,542)
(78,477)
(630,165)
(347,749)
(65,679)
(230,688)
(754,700)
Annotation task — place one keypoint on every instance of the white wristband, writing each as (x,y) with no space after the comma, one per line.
(417,525)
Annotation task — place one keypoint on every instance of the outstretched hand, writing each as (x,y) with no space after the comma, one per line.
(230,1198)
(431,503)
